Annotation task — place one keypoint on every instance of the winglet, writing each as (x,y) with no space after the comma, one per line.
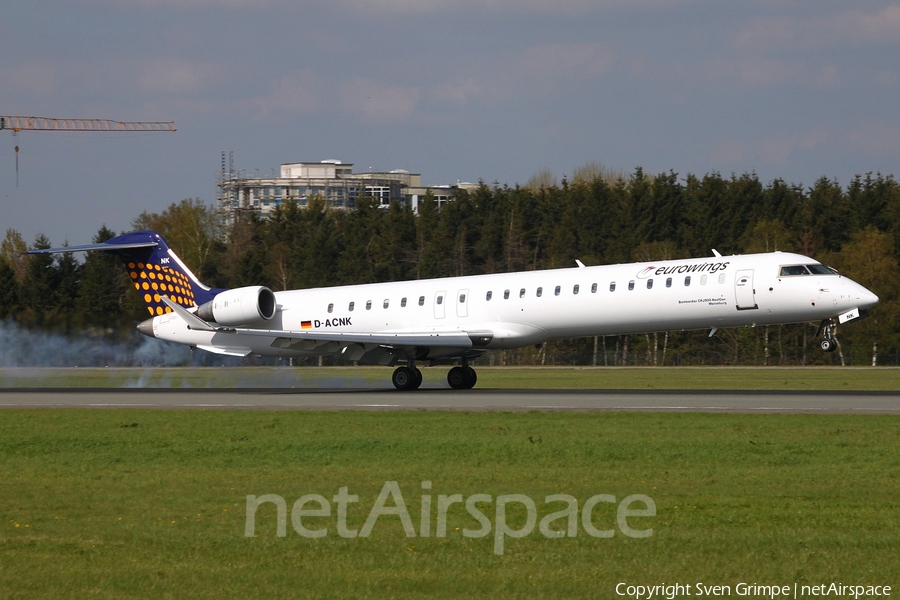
(716,253)
(579,263)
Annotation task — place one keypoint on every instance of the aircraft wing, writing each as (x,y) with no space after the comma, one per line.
(452,339)
(434,339)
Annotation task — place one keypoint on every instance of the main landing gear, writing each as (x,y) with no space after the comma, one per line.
(410,378)
(462,378)
(407,378)
(828,343)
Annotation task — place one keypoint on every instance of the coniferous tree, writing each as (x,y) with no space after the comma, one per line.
(37,295)
(598,219)
(9,291)
(102,287)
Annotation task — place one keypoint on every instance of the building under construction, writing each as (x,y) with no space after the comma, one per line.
(332,180)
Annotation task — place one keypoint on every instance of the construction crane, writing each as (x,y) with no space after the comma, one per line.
(46,124)
(17,124)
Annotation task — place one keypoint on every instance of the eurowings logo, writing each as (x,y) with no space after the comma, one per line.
(707,267)
(646,273)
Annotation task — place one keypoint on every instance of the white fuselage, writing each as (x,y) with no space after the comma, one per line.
(519,309)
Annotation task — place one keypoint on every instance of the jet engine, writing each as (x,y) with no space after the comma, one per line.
(240,306)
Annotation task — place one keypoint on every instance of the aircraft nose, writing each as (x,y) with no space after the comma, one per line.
(146,327)
(864,297)
(867,299)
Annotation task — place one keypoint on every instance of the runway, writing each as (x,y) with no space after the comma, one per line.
(468,400)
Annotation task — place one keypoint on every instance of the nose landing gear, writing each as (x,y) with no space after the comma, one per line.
(828,343)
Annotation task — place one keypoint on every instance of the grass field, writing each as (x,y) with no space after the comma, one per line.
(698,378)
(152,504)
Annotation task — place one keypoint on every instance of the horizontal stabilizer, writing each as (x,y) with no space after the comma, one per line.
(193,321)
(88,247)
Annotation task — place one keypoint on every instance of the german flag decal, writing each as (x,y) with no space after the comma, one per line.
(305,324)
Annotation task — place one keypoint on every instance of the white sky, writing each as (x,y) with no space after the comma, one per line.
(457,90)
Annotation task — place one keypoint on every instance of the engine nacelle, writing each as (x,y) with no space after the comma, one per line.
(240,306)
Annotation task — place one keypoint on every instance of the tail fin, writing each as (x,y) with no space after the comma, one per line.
(154,269)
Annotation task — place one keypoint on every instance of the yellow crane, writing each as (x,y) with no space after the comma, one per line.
(17,124)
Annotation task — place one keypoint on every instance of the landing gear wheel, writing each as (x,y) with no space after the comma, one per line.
(404,378)
(462,378)
(418,380)
(472,375)
(457,378)
(826,329)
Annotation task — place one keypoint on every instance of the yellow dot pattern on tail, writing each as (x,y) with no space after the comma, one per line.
(154,281)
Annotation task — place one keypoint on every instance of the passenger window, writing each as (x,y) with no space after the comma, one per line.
(488,296)
(462,298)
(540,292)
(721,277)
(594,289)
(352,304)
(687,280)
(421,300)
(386,302)
(631,285)
(649,283)
(522,293)
(403,303)
(506,294)
(368,305)
(556,291)
(331,308)
(575,289)
(668,282)
(703,280)
(612,286)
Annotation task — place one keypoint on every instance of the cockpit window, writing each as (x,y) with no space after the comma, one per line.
(821,270)
(790,270)
(816,269)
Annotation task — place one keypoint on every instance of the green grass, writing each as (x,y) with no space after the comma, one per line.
(151,504)
(716,378)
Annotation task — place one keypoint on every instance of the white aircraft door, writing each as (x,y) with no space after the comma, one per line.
(462,304)
(439,299)
(744,294)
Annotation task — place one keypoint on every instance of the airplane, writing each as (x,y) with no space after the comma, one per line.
(456,319)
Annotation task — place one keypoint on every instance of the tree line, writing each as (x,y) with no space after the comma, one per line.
(598,217)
